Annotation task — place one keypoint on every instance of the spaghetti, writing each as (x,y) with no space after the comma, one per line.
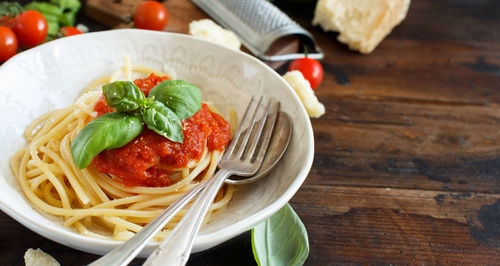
(97,204)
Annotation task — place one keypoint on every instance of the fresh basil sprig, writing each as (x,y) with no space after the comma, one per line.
(123,96)
(109,131)
(163,121)
(162,111)
(281,239)
(180,96)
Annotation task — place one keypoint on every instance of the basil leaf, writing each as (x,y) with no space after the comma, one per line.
(109,131)
(163,121)
(281,239)
(181,97)
(124,96)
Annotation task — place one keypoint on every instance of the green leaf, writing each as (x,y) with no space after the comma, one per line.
(72,5)
(53,25)
(123,96)
(109,131)
(10,9)
(67,18)
(163,121)
(181,97)
(44,8)
(281,239)
(169,102)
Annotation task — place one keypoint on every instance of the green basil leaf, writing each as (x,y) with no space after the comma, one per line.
(163,121)
(181,97)
(281,239)
(109,131)
(124,96)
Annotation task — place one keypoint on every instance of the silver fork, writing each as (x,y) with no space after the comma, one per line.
(243,157)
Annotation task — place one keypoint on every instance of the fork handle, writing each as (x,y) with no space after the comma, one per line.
(176,248)
(127,252)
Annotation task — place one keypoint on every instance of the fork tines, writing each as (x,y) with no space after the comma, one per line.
(254,132)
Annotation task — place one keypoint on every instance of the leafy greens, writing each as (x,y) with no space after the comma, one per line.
(162,111)
(281,239)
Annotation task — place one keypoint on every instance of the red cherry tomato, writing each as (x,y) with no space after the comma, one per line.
(310,68)
(151,15)
(69,30)
(8,43)
(30,27)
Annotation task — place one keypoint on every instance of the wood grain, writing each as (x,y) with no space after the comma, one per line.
(407,156)
(119,14)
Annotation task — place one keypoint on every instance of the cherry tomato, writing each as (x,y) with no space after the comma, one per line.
(30,27)
(310,68)
(8,43)
(151,15)
(69,30)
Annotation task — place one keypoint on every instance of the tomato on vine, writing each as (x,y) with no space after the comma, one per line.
(310,68)
(30,27)
(151,15)
(8,43)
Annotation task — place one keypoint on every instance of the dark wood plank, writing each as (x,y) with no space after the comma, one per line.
(408,144)
(407,156)
(399,226)
(119,14)
(16,239)
(111,13)
(444,51)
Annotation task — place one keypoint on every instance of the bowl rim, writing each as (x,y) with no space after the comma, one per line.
(93,245)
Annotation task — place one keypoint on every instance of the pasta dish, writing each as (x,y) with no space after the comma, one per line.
(115,192)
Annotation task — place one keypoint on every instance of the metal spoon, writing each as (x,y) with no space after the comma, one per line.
(277,146)
(123,254)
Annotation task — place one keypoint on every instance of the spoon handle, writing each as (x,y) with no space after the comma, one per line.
(126,252)
(176,248)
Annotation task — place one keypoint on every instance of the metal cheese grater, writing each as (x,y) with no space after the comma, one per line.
(259,24)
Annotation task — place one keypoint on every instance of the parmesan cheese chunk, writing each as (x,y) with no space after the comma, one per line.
(302,87)
(37,257)
(207,29)
(362,24)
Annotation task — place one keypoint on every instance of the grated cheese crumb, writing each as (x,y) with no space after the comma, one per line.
(303,89)
(36,257)
(207,29)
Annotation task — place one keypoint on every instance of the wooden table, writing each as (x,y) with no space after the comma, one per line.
(407,156)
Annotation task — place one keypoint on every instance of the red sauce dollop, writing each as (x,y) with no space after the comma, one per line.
(144,160)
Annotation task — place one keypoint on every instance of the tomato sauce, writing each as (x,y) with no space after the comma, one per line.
(145,160)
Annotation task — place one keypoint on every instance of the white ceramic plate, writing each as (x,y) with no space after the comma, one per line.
(52,75)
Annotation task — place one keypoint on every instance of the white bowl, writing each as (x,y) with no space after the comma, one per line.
(52,75)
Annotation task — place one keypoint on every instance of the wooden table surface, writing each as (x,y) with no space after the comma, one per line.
(407,156)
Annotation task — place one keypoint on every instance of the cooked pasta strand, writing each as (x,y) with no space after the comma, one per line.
(95,204)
